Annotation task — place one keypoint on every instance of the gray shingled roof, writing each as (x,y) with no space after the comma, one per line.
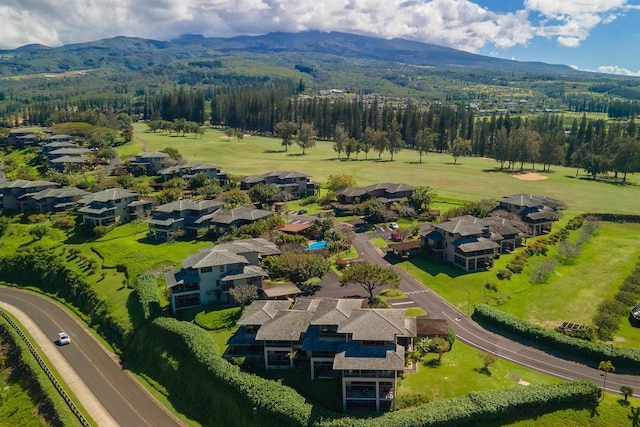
(59,193)
(70,159)
(163,220)
(23,183)
(247,213)
(334,311)
(109,195)
(374,324)
(461,227)
(152,155)
(212,258)
(246,272)
(180,277)
(254,179)
(262,246)
(261,311)
(358,356)
(189,204)
(286,325)
(194,167)
(473,245)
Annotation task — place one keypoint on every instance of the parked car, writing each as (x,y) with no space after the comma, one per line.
(396,237)
(63,339)
(393,225)
(302,212)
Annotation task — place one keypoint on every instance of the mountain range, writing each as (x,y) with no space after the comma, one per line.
(395,67)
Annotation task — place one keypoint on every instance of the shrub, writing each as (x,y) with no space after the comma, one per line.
(504,274)
(480,408)
(36,218)
(100,230)
(147,290)
(626,298)
(64,223)
(537,336)
(39,231)
(516,265)
(615,308)
(270,397)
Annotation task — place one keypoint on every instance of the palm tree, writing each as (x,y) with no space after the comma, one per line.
(607,367)
(626,391)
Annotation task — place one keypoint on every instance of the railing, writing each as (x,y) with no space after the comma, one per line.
(76,411)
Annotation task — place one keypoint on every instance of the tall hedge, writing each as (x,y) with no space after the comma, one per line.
(48,271)
(478,407)
(625,359)
(270,397)
(147,290)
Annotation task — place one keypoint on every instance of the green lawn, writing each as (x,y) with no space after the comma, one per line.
(470,179)
(573,292)
(460,373)
(613,411)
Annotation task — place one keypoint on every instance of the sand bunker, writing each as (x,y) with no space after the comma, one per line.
(530,176)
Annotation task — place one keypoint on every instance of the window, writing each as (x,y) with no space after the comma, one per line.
(206,270)
(222,269)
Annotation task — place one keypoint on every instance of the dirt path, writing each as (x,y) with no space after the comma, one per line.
(144,143)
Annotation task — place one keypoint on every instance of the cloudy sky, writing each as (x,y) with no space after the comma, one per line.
(598,35)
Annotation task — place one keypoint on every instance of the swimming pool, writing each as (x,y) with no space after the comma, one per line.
(317,246)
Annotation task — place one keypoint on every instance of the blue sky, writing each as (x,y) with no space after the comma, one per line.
(596,35)
(603,35)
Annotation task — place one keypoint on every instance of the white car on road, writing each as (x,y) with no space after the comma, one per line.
(63,338)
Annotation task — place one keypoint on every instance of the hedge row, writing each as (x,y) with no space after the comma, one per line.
(49,272)
(269,397)
(591,352)
(147,290)
(478,407)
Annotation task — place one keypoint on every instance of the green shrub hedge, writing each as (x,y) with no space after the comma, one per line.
(475,408)
(48,271)
(270,397)
(147,290)
(625,359)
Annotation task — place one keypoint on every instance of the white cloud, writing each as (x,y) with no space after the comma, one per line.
(614,69)
(571,21)
(461,24)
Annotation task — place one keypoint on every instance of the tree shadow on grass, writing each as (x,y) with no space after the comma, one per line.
(432,363)
(273,151)
(634,417)
(484,371)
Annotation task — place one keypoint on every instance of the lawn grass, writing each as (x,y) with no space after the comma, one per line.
(460,373)
(471,179)
(380,242)
(612,411)
(415,312)
(573,292)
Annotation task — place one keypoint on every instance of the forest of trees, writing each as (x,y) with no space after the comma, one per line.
(369,125)
(363,125)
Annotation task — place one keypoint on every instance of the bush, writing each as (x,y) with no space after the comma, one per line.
(480,408)
(504,274)
(36,218)
(537,336)
(269,397)
(147,290)
(64,223)
(100,231)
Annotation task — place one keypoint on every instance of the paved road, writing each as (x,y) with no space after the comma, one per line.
(116,390)
(474,335)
